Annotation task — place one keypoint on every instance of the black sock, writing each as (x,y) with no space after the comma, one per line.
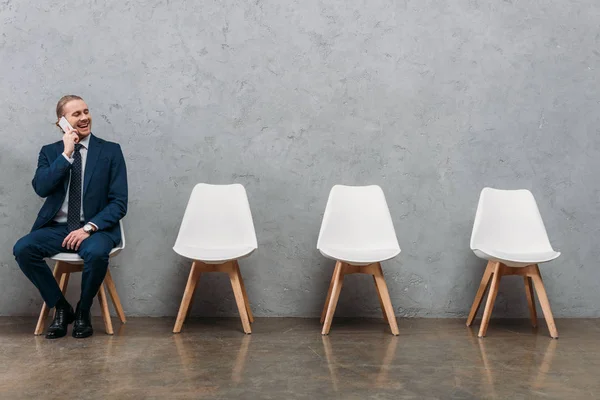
(62,302)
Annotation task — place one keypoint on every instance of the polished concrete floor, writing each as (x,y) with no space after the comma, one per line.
(287,358)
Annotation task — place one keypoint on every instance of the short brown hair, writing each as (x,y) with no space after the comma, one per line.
(63,101)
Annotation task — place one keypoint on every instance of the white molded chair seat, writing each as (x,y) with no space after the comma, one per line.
(358,232)
(358,256)
(508,228)
(509,233)
(357,226)
(214,256)
(216,230)
(514,259)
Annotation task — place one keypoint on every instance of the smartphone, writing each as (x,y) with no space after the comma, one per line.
(64,124)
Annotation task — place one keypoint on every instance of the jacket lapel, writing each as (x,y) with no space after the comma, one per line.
(92,157)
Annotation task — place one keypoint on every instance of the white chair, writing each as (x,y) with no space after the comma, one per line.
(509,233)
(215,232)
(357,231)
(67,263)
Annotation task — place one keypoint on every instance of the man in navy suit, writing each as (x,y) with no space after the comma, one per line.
(84,181)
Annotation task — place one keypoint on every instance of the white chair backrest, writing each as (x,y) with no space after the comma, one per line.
(509,220)
(121,245)
(217,216)
(357,216)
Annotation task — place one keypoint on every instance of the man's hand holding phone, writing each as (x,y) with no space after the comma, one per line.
(70,137)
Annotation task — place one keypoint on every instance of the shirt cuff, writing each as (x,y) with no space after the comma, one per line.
(94,225)
(70,160)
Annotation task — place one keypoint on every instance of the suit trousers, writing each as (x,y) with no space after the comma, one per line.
(31,250)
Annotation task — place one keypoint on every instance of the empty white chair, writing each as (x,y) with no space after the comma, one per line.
(357,231)
(509,233)
(215,232)
(67,263)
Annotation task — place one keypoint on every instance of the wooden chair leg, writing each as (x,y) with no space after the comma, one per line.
(239,298)
(338,281)
(246,301)
(530,301)
(112,291)
(338,264)
(39,329)
(385,299)
(64,282)
(543,298)
(105,312)
(489,305)
(380,301)
(190,287)
(189,311)
(485,280)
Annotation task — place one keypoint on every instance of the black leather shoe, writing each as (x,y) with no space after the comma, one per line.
(62,318)
(82,327)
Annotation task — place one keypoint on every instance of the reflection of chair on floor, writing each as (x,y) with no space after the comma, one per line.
(381,380)
(357,232)
(489,378)
(509,233)
(215,232)
(67,263)
(240,360)
(189,381)
(537,381)
(545,365)
(187,356)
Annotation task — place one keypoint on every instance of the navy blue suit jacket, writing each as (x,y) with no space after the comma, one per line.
(104,187)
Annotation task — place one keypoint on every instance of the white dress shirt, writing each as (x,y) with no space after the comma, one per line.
(61,215)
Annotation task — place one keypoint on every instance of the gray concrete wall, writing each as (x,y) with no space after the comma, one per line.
(432,100)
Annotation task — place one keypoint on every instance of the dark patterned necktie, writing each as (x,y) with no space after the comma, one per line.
(74,207)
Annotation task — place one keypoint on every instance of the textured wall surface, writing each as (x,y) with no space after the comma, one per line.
(431,99)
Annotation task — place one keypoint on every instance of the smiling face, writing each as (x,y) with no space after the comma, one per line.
(78,115)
